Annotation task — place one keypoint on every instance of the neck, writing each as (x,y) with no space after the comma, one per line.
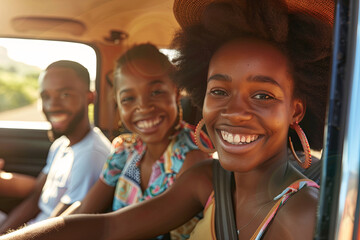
(263,183)
(254,192)
(81,131)
(155,151)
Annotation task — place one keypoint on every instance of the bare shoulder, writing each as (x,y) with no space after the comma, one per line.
(297,217)
(201,169)
(196,155)
(193,157)
(198,179)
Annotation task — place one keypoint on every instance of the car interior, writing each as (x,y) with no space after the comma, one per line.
(108,28)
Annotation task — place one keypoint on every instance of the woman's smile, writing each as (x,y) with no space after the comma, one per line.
(248,108)
(238,139)
(148,102)
(237,143)
(149,125)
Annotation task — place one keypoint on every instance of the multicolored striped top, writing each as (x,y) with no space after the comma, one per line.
(281,199)
(205,229)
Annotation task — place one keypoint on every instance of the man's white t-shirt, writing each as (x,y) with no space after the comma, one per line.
(72,170)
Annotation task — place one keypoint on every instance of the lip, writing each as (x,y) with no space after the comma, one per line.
(57,120)
(149,125)
(229,143)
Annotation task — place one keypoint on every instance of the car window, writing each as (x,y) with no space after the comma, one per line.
(21,62)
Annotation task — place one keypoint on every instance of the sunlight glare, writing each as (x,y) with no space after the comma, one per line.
(6,175)
(41,53)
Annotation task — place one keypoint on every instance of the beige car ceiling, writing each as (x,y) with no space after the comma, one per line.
(105,21)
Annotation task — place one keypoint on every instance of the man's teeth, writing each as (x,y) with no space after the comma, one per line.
(56,119)
(148,123)
(237,138)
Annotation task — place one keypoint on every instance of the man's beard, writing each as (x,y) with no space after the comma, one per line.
(72,125)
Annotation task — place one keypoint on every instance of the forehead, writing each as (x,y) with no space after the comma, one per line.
(251,55)
(57,78)
(142,71)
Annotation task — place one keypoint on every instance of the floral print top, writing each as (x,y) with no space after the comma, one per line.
(122,169)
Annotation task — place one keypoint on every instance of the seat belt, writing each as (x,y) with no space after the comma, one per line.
(225,227)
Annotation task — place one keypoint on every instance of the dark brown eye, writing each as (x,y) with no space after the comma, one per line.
(218,92)
(156,92)
(263,96)
(126,99)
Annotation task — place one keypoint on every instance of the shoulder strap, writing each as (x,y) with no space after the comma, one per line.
(281,199)
(225,227)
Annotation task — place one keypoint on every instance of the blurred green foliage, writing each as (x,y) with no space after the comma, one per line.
(17,89)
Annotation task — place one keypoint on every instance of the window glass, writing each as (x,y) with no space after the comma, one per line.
(21,62)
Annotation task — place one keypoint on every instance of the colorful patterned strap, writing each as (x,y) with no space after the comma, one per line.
(282,198)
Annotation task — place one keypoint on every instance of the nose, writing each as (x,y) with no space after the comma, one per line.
(237,110)
(145,105)
(51,103)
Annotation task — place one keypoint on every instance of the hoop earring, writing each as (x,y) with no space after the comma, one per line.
(180,114)
(198,140)
(121,127)
(129,138)
(305,144)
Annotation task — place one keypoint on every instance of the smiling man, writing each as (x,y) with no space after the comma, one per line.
(76,157)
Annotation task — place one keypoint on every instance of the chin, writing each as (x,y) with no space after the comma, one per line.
(57,133)
(235,164)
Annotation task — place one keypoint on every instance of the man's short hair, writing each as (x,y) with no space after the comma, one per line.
(79,69)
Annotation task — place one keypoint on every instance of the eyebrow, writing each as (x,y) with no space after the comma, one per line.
(156,82)
(263,79)
(257,78)
(151,83)
(220,77)
(124,91)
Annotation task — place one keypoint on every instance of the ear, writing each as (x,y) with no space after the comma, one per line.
(91,97)
(299,109)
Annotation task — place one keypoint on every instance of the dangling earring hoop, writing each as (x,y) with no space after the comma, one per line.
(305,144)
(121,127)
(129,138)
(180,114)
(198,140)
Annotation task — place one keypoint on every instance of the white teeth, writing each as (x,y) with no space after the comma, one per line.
(237,138)
(148,123)
(230,138)
(223,134)
(55,119)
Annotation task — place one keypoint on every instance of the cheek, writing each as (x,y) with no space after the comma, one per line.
(74,101)
(212,108)
(169,100)
(123,113)
(277,119)
(169,103)
(173,108)
(125,117)
(44,105)
(210,113)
